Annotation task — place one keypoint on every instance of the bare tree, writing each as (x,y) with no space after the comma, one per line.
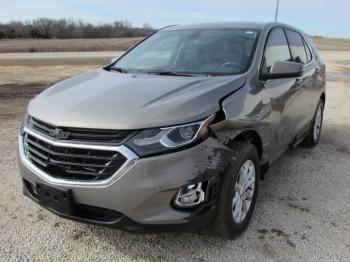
(70,28)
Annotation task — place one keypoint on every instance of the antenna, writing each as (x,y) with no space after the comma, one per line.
(276,15)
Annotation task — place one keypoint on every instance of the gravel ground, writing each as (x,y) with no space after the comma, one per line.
(302,212)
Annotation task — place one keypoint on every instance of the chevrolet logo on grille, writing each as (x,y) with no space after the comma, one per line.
(58,133)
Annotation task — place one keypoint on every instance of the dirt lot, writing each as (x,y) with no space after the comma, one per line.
(302,212)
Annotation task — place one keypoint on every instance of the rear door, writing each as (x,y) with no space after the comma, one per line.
(284,93)
(308,100)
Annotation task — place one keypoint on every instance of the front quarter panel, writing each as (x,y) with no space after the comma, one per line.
(248,109)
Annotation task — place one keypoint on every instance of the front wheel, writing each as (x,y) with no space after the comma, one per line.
(239,188)
(316,126)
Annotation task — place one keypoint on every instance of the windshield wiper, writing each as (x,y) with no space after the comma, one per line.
(173,73)
(119,69)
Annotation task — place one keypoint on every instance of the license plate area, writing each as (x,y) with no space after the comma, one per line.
(57,199)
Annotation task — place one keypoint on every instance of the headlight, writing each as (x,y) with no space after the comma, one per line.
(159,140)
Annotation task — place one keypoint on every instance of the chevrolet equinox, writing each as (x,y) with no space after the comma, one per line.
(175,134)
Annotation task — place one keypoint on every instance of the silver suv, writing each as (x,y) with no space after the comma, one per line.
(176,133)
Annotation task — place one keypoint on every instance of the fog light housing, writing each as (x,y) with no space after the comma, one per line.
(190,196)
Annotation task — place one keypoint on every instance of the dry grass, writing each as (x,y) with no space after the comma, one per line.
(332,44)
(66,45)
(48,68)
(59,58)
(40,75)
(119,44)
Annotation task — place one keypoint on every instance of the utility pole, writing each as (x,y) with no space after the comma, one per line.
(276,15)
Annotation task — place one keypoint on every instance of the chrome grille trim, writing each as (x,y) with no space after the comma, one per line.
(79,135)
(130,156)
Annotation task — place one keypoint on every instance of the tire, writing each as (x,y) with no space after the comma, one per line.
(314,134)
(226,223)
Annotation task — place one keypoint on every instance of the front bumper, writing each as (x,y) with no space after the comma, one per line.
(141,198)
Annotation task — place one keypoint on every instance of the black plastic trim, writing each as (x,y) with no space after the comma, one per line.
(196,223)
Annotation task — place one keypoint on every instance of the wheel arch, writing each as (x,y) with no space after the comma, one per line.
(323,98)
(252,137)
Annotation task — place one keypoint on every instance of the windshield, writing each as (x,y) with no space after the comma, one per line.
(192,51)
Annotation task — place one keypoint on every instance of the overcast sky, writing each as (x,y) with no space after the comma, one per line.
(316,17)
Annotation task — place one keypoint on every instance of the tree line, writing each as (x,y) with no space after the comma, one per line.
(47,28)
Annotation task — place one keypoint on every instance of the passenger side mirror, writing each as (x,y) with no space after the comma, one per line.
(113,60)
(284,69)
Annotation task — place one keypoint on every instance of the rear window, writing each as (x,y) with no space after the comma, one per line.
(312,47)
(308,52)
(297,47)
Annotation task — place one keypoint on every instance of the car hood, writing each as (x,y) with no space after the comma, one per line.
(112,100)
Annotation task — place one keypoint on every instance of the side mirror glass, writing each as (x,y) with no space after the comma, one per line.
(284,69)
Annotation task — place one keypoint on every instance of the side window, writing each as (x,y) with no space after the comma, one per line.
(276,49)
(297,47)
(308,52)
(313,49)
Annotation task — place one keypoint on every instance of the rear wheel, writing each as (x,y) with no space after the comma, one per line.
(316,126)
(239,188)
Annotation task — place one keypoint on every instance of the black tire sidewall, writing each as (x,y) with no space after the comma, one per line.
(309,140)
(225,224)
(320,103)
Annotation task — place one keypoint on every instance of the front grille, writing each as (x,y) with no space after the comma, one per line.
(72,163)
(97,136)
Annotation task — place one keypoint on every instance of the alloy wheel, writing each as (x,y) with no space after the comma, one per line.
(318,122)
(244,191)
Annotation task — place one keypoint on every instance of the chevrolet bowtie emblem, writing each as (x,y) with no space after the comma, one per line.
(58,133)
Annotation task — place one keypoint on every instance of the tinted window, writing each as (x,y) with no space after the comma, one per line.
(297,47)
(276,49)
(308,52)
(197,51)
(313,50)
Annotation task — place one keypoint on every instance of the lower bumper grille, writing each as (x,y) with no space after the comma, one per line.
(92,213)
(72,163)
